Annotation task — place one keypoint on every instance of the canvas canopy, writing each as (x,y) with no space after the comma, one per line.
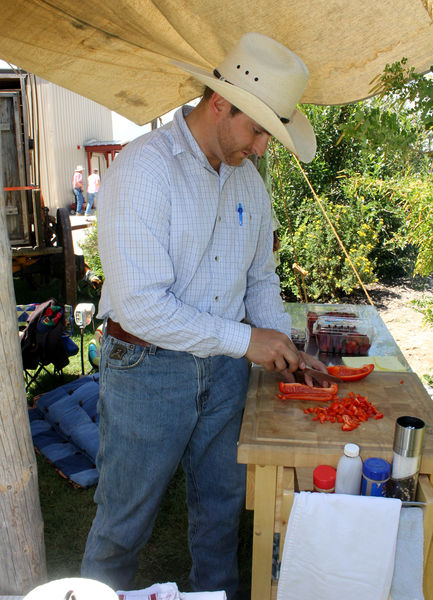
(117,52)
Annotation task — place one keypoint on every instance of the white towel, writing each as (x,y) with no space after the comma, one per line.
(339,547)
(408,569)
(168,591)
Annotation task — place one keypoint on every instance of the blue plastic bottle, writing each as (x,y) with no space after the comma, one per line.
(375,474)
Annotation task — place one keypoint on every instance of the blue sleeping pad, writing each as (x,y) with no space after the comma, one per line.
(64,426)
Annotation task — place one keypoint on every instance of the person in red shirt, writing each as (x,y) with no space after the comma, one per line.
(78,187)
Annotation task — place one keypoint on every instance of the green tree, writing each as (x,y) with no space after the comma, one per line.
(395,126)
(369,155)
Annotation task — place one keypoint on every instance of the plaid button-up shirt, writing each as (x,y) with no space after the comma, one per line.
(186,251)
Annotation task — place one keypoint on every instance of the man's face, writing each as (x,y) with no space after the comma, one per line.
(238,136)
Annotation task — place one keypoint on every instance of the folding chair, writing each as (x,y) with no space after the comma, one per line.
(45,338)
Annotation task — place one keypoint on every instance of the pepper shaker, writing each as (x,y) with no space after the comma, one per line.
(407,452)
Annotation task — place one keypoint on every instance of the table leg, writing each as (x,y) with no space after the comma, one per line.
(249,495)
(263,536)
(287,499)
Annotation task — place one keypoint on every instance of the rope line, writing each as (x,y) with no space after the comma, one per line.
(322,208)
(290,228)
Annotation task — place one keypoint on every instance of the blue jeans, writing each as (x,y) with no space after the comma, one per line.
(159,407)
(90,199)
(79,199)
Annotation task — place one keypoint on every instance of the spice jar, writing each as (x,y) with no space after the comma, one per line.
(324,479)
(375,474)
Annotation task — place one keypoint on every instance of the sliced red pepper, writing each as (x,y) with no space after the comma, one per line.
(350,373)
(300,391)
(288,388)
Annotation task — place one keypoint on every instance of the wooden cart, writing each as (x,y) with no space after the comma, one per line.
(281,446)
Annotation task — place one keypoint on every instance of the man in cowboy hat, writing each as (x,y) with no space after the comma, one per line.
(78,187)
(185,238)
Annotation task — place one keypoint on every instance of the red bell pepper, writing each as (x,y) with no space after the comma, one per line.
(350,373)
(300,391)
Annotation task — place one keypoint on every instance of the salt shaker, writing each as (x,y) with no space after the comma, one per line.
(406,461)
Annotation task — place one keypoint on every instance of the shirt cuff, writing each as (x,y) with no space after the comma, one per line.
(235,339)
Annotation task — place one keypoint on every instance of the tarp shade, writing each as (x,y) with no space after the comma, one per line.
(117,52)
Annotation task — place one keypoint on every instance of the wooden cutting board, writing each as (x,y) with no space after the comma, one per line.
(279,433)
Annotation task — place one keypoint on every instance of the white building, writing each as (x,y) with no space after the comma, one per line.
(67,122)
(44,132)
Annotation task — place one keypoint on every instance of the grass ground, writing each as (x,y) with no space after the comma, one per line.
(68,512)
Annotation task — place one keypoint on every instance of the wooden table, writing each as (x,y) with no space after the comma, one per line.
(281,446)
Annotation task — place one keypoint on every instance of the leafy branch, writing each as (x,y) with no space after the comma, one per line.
(398,119)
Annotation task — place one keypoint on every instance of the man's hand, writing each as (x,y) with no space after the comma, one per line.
(275,351)
(314,363)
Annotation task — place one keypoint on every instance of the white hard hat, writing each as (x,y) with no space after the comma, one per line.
(73,588)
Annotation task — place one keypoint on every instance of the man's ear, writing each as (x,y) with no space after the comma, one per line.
(218,105)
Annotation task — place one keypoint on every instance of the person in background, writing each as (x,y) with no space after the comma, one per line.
(190,296)
(93,183)
(78,187)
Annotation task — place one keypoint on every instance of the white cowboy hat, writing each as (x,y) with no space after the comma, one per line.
(74,588)
(265,80)
(78,168)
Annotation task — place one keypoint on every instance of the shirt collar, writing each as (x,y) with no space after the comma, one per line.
(184,141)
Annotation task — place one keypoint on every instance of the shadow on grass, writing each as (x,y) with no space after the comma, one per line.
(68,514)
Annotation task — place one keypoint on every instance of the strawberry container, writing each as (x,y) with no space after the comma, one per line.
(342,335)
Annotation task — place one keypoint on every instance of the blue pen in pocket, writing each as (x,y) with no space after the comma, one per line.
(240,211)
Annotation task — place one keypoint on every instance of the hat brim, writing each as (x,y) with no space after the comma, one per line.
(297,135)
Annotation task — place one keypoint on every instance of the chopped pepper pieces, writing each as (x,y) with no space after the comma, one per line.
(350,411)
(350,373)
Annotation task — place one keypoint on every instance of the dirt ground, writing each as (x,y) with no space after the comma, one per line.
(405,323)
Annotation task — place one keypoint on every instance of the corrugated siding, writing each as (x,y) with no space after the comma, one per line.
(66,121)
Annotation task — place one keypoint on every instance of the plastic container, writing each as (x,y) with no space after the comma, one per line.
(324,479)
(312,316)
(337,335)
(349,471)
(299,338)
(375,474)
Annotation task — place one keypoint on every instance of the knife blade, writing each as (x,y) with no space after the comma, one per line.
(318,376)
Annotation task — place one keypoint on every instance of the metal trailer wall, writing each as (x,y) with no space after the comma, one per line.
(66,122)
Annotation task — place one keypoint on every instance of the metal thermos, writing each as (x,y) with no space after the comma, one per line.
(407,452)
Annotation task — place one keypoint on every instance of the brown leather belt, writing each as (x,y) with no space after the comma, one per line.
(114,329)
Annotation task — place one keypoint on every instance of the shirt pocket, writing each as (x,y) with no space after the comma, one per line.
(243,235)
